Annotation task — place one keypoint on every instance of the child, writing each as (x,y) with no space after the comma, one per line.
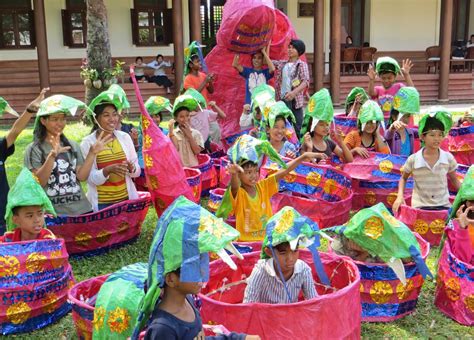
(128,128)
(430,166)
(292,80)
(140,70)
(246,118)
(367,137)
(280,275)
(159,77)
(193,77)
(249,196)
(7,145)
(257,75)
(277,131)
(56,160)
(318,117)
(399,137)
(27,203)
(110,179)
(263,96)
(187,141)
(355,99)
(387,69)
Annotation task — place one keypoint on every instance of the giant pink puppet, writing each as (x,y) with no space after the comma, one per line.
(247,27)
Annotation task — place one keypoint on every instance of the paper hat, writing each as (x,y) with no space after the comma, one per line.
(187,101)
(370,111)
(114,95)
(59,104)
(279,109)
(465,193)
(247,148)
(197,96)
(319,108)
(439,113)
(387,64)
(193,49)
(6,108)
(351,97)
(407,101)
(157,104)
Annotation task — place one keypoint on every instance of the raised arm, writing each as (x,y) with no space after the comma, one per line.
(371,74)
(406,67)
(268,61)
(221,114)
(236,63)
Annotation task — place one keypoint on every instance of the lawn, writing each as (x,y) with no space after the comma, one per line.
(426,322)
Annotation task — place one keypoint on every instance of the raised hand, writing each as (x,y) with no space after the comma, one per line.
(35,104)
(337,135)
(308,141)
(186,129)
(171,127)
(56,147)
(234,169)
(134,134)
(100,143)
(463,216)
(406,66)
(371,72)
(397,125)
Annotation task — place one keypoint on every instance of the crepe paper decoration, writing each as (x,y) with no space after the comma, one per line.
(114,95)
(438,113)
(351,97)
(157,104)
(407,101)
(6,108)
(319,108)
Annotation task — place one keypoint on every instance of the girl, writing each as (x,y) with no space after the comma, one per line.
(367,138)
(110,180)
(57,161)
(276,130)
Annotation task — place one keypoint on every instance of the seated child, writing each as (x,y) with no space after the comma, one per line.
(367,137)
(187,141)
(430,166)
(355,99)
(387,69)
(27,203)
(400,138)
(280,275)
(257,75)
(318,117)
(467,119)
(248,196)
(160,78)
(277,132)
(7,145)
(140,70)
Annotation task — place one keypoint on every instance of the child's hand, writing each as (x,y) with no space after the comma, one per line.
(210,78)
(56,147)
(312,156)
(35,104)
(398,125)
(290,154)
(171,126)
(186,129)
(406,67)
(463,218)
(131,167)
(234,169)
(212,103)
(246,109)
(337,136)
(398,202)
(371,72)
(289,96)
(362,152)
(100,143)
(308,141)
(134,134)
(120,169)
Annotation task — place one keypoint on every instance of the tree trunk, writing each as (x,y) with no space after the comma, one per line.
(99,56)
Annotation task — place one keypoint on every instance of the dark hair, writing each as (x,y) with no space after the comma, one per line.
(254,54)
(359,126)
(39,136)
(159,114)
(366,44)
(391,119)
(192,58)
(282,246)
(159,55)
(349,37)
(15,210)
(182,108)
(382,72)
(432,124)
(245,164)
(298,45)
(136,59)
(98,110)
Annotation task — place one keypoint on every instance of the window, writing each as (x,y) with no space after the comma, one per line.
(16,24)
(152,23)
(74,23)
(461,9)
(352,20)
(211,17)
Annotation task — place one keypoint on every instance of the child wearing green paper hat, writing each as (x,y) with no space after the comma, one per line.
(27,203)
(355,99)
(114,166)
(277,131)
(316,128)
(367,137)
(7,145)
(399,136)
(193,77)
(431,166)
(387,69)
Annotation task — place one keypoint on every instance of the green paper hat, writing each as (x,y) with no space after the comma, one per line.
(26,192)
(277,109)
(193,49)
(407,101)
(184,236)
(157,104)
(197,96)
(377,231)
(6,108)
(187,101)
(263,96)
(288,225)
(59,104)
(351,97)
(387,64)
(370,111)
(465,193)
(114,95)
(247,148)
(439,113)
(319,108)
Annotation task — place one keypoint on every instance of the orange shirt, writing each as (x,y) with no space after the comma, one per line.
(354,140)
(192,81)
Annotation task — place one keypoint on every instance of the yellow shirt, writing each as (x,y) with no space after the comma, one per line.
(251,213)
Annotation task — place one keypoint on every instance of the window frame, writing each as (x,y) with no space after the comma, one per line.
(152,10)
(15,12)
(66,16)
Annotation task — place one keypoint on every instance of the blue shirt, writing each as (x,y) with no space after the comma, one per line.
(254,78)
(405,149)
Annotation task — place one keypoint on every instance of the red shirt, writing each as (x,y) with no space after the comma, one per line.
(15,235)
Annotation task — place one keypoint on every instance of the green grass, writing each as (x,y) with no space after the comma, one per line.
(426,322)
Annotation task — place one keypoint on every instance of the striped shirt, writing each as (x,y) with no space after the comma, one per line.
(114,190)
(430,184)
(265,286)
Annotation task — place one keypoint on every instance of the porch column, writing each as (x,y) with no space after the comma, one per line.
(195,20)
(178,44)
(41,43)
(335,71)
(446,27)
(318,54)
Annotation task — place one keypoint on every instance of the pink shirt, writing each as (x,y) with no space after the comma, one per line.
(200,121)
(385,96)
(460,243)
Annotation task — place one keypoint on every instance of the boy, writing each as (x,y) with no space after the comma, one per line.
(249,196)
(194,78)
(257,75)
(140,71)
(7,145)
(159,77)
(430,166)
(27,202)
(387,69)
(188,141)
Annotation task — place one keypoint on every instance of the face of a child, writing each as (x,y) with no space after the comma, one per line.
(257,60)
(55,123)
(157,119)
(109,118)
(277,133)
(30,220)
(195,64)
(432,139)
(258,115)
(184,288)
(287,259)
(321,129)
(183,117)
(139,61)
(370,127)
(387,79)
(292,52)
(159,59)
(250,175)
